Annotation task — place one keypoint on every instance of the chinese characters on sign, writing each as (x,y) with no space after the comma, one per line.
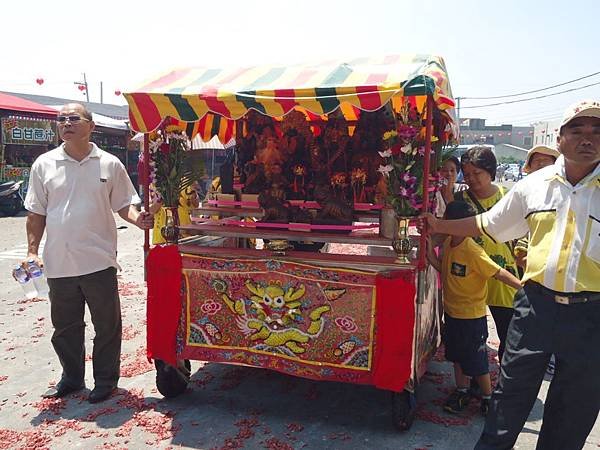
(28,131)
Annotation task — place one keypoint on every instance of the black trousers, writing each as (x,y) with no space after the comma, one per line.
(502,317)
(539,328)
(68,297)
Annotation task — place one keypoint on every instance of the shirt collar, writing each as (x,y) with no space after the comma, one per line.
(63,155)
(558,173)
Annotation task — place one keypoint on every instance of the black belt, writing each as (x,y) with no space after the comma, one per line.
(568,298)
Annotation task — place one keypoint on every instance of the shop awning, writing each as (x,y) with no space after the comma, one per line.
(192,94)
(16,104)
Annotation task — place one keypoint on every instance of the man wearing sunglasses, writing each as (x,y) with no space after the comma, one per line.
(74,191)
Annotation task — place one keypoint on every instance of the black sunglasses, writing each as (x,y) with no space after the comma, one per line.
(73,119)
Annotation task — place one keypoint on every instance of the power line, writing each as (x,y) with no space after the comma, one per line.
(534,91)
(532,98)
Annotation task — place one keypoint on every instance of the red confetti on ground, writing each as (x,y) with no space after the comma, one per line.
(129,332)
(134,399)
(54,405)
(233,378)
(245,431)
(157,423)
(88,434)
(275,444)
(430,416)
(107,446)
(101,412)
(436,377)
(205,378)
(295,427)
(64,425)
(128,288)
(137,365)
(31,439)
(8,438)
(341,436)
(31,300)
(312,393)
(125,429)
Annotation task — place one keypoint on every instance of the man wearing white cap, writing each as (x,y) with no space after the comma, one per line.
(558,310)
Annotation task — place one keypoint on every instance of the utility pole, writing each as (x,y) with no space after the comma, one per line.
(458,99)
(101,93)
(83,84)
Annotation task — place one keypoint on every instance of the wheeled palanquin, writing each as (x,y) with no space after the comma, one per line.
(326,315)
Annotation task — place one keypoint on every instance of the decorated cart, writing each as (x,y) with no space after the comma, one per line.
(304,258)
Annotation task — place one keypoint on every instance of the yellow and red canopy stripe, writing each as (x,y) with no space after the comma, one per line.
(196,94)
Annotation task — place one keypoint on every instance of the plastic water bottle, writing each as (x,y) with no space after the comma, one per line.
(36,273)
(21,275)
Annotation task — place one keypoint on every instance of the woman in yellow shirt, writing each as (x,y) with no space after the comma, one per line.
(479,170)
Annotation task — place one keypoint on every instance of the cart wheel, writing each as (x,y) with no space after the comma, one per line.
(404,407)
(172,381)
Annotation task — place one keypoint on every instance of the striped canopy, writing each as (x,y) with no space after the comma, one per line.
(206,96)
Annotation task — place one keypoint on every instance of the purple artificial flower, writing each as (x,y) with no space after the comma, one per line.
(407,132)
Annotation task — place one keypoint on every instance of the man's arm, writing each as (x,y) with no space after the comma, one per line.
(35,226)
(143,220)
(459,227)
(508,278)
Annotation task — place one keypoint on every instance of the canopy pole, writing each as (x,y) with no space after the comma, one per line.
(426,175)
(146,193)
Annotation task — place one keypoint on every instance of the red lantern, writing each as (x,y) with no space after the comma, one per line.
(81,87)
(117,92)
(39,81)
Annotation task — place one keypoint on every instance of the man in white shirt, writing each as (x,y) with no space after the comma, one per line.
(73,192)
(558,310)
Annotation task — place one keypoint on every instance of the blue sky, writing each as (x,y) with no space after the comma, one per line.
(490,47)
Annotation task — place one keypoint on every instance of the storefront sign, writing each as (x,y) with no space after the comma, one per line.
(28,131)
(16,172)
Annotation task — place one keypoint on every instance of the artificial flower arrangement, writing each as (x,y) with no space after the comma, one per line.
(404,156)
(358,179)
(172,170)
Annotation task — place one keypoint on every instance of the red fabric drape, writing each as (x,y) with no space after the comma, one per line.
(395,330)
(163,307)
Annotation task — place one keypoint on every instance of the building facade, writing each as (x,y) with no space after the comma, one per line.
(475,131)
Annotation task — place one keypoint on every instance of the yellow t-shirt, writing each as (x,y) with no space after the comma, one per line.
(466,270)
(184,210)
(499,294)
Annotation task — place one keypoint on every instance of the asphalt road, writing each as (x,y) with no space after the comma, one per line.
(224,407)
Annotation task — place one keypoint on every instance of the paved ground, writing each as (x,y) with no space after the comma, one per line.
(225,406)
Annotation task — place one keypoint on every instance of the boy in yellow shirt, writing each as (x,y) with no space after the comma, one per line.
(465,269)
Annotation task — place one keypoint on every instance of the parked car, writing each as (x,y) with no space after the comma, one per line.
(512,174)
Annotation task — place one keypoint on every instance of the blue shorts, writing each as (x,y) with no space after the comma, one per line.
(466,344)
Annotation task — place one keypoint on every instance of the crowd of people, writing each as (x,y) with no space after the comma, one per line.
(543,291)
(553,311)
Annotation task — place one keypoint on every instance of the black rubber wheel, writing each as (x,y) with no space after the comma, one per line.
(172,381)
(404,407)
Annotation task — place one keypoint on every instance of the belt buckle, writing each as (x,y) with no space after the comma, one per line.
(562,299)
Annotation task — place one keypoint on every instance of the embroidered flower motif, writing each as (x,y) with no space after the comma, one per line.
(346,324)
(210,307)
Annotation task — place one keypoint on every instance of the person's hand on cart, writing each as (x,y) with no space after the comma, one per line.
(145,220)
(429,222)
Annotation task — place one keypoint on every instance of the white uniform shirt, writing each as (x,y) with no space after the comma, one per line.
(78,199)
(563,222)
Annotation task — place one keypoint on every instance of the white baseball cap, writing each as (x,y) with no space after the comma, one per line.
(585,108)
